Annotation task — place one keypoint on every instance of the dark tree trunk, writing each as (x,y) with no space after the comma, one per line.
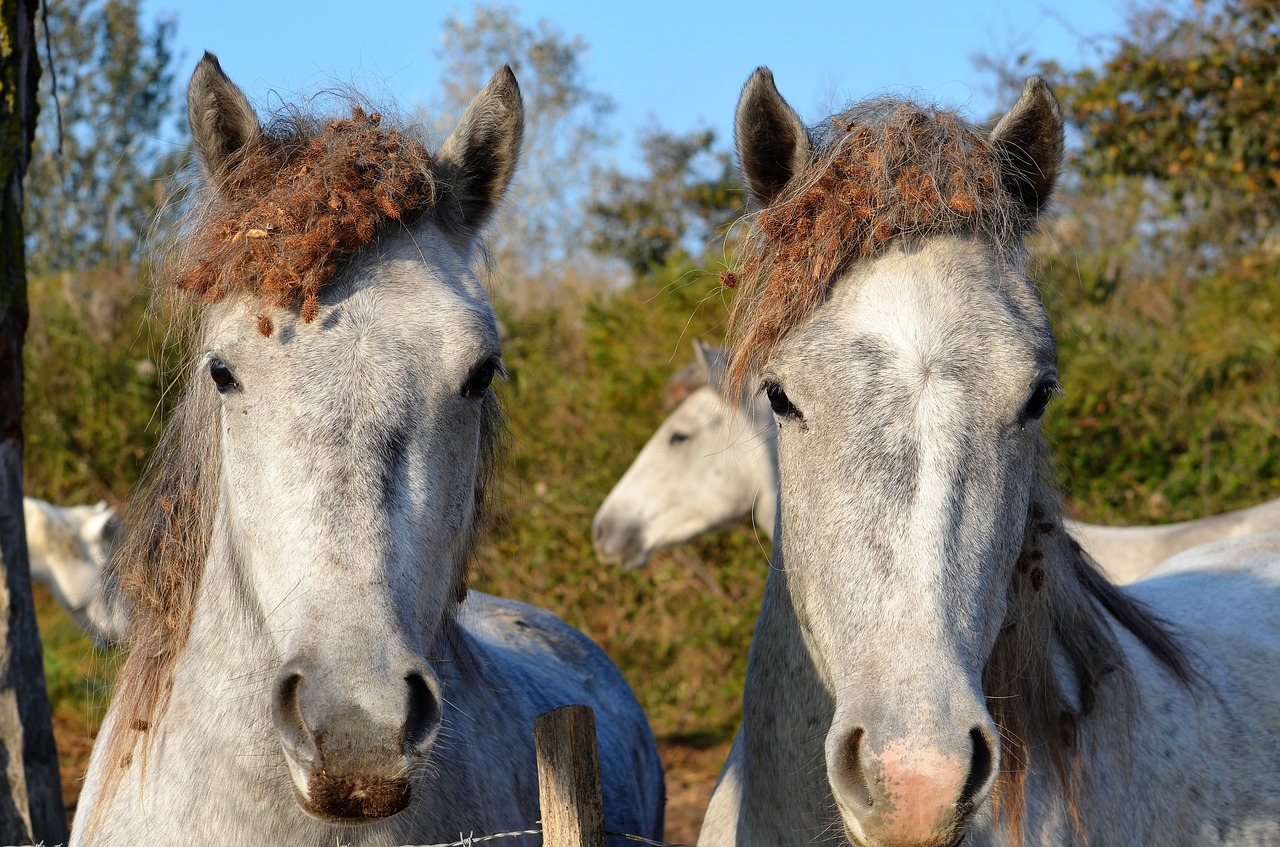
(30,791)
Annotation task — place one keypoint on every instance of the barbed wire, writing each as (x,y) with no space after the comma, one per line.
(640,839)
(468,840)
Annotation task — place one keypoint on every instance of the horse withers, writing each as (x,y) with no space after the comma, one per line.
(306,665)
(936,660)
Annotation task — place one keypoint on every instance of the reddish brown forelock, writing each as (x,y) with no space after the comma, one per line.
(884,173)
(298,204)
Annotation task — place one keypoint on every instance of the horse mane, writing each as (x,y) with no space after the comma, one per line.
(157,566)
(883,170)
(1060,606)
(292,206)
(275,226)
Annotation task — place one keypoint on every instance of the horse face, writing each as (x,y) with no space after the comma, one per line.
(351,451)
(907,400)
(907,456)
(697,472)
(353,446)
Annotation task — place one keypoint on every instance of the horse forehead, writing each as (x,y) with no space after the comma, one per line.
(702,409)
(946,308)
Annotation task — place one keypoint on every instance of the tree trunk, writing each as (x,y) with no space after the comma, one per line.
(30,790)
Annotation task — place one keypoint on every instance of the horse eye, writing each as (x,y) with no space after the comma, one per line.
(1039,400)
(223,379)
(782,405)
(679,438)
(481,378)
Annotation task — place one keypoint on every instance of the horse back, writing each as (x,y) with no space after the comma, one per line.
(543,663)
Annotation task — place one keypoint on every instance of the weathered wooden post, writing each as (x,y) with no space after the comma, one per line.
(569,778)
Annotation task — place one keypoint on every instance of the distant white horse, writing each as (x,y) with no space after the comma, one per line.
(68,545)
(306,666)
(711,463)
(936,660)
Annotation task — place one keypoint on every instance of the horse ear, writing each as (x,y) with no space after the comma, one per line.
(476,162)
(222,121)
(773,145)
(707,357)
(101,526)
(1029,142)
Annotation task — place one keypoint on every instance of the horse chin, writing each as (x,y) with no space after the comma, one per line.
(860,840)
(857,835)
(354,799)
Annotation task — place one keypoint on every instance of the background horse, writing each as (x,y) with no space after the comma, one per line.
(936,660)
(68,546)
(303,666)
(713,462)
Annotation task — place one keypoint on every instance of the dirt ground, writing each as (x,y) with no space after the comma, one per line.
(691,774)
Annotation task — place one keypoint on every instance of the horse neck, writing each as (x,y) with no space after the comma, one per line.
(786,703)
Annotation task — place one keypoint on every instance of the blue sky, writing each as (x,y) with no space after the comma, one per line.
(680,64)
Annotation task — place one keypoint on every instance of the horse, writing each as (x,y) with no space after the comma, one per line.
(306,663)
(710,463)
(67,546)
(713,462)
(935,659)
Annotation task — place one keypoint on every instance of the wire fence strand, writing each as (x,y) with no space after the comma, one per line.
(468,840)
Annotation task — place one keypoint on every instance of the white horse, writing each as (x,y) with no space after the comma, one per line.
(936,660)
(709,464)
(68,546)
(306,665)
(712,463)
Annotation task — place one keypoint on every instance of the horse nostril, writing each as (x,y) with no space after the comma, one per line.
(599,529)
(855,787)
(423,715)
(981,765)
(286,714)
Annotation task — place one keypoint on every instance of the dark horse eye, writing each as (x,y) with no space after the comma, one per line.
(481,378)
(678,438)
(1039,399)
(222,376)
(782,405)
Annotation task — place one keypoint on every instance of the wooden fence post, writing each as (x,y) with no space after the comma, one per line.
(569,778)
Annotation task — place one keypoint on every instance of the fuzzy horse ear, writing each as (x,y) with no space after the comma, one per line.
(476,162)
(1029,142)
(773,145)
(707,357)
(222,121)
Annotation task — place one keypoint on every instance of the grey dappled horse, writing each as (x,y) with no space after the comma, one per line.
(713,462)
(936,660)
(307,666)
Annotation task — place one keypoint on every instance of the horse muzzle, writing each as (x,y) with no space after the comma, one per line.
(353,748)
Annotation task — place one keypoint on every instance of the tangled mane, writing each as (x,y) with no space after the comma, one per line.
(290,208)
(1061,606)
(883,170)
